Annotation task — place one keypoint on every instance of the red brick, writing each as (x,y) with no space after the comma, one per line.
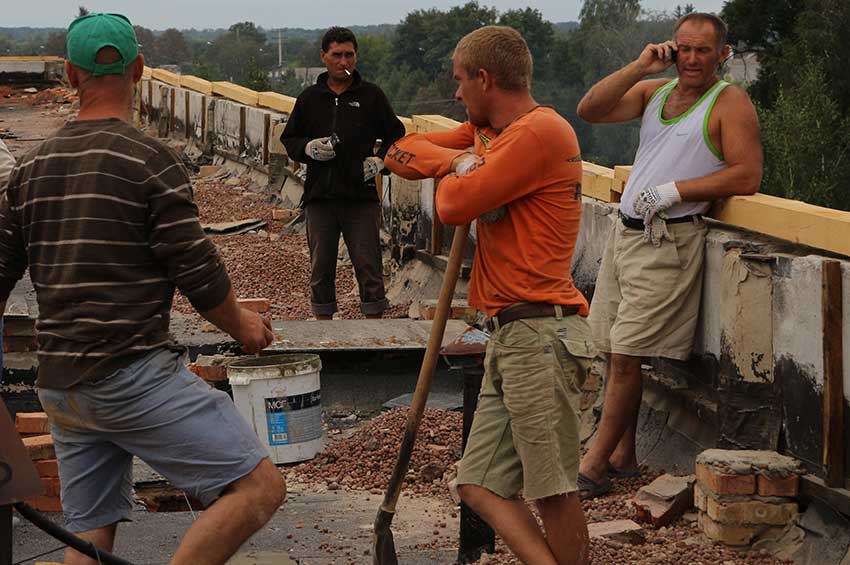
(45,503)
(779,486)
(51,486)
(283,213)
(40,447)
(259,305)
(210,373)
(47,468)
(32,423)
(721,483)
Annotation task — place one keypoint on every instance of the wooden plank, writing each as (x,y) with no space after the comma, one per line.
(791,220)
(833,374)
(276,101)
(166,76)
(147,72)
(621,177)
(243,120)
(187,126)
(409,127)
(598,182)
(267,126)
(236,93)
(196,84)
(433,122)
(32,58)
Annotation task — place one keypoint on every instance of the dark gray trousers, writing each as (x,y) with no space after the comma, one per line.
(359,224)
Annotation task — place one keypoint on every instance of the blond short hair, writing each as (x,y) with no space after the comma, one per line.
(500,50)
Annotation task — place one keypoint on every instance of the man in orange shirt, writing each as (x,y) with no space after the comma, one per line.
(521,180)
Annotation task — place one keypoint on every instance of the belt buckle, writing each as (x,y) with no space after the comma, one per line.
(491,323)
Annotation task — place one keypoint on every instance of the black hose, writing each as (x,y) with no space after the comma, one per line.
(66,537)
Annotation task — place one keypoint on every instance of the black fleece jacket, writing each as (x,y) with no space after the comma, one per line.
(359,116)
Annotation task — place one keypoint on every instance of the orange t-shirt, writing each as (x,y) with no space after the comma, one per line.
(533,168)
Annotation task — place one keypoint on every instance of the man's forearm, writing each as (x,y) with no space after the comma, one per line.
(603,97)
(736,180)
(225,316)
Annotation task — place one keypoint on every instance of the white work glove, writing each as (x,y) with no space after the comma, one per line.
(371,167)
(651,205)
(466,164)
(320,149)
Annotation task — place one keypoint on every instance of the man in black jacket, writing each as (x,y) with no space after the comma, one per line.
(333,128)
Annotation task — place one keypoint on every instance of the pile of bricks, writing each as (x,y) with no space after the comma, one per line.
(34,428)
(746,496)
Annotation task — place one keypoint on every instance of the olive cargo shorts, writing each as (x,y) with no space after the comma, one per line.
(525,434)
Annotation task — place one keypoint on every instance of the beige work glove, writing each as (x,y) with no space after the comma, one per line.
(651,206)
(320,149)
(371,167)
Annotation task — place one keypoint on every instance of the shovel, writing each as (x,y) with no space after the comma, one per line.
(383,546)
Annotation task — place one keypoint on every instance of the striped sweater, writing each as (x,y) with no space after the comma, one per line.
(103,217)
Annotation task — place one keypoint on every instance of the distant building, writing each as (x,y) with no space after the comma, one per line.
(171,68)
(308,75)
(742,68)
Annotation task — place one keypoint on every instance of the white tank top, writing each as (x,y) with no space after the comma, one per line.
(674,150)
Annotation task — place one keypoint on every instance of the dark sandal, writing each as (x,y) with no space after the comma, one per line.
(615,473)
(588,488)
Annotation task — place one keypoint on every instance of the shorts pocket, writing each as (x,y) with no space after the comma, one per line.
(577,359)
(527,376)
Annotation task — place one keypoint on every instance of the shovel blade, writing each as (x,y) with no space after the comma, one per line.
(383,545)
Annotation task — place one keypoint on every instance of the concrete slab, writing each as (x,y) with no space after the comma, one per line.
(358,335)
(311,527)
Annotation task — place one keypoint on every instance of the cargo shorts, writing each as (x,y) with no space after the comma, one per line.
(525,433)
(647,298)
(159,411)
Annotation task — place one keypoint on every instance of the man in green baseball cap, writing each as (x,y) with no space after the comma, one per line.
(111,378)
(91,33)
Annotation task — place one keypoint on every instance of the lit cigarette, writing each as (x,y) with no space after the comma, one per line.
(347,72)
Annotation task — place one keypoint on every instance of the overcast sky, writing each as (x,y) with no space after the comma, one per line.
(161,14)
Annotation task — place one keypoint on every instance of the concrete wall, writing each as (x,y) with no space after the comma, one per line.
(25,69)
(221,126)
(759,344)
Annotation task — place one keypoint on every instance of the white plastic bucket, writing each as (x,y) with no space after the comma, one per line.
(280,395)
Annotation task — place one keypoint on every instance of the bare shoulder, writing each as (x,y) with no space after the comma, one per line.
(650,86)
(734,101)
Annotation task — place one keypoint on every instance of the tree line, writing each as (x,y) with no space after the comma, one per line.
(802,92)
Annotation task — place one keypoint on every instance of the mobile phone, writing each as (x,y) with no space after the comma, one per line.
(334,140)
(673,54)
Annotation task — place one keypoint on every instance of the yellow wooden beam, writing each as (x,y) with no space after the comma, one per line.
(598,182)
(236,93)
(409,127)
(433,122)
(196,84)
(276,101)
(791,220)
(32,58)
(147,73)
(166,76)
(621,177)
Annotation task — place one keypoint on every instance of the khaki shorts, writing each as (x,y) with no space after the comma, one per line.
(525,435)
(647,298)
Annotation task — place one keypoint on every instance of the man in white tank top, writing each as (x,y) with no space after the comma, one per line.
(699,141)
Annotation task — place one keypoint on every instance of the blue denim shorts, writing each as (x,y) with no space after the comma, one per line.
(159,411)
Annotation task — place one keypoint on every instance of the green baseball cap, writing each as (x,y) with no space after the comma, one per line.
(89,34)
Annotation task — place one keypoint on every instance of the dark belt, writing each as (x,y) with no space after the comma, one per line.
(530,310)
(635,224)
